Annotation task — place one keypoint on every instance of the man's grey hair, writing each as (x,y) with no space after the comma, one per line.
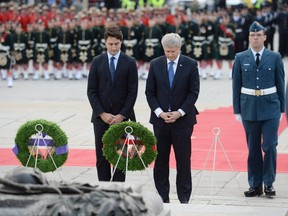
(171,40)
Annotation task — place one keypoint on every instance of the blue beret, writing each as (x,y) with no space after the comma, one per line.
(255,27)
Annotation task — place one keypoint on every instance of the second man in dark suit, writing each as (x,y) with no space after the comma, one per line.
(172,90)
(112,92)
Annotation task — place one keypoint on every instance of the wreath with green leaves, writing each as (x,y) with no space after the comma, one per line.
(53,139)
(141,142)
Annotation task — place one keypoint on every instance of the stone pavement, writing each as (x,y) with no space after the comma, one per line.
(65,102)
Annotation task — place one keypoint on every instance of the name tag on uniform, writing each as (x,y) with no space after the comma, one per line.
(246,64)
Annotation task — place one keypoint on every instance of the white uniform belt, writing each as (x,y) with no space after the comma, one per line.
(238,30)
(258,92)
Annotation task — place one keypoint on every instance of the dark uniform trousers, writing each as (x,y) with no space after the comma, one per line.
(261,169)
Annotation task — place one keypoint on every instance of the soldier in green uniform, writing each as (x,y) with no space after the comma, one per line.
(97,32)
(138,28)
(130,39)
(152,45)
(191,28)
(30,49)
(63,54)
(209,22)
(84,41)
(5,57)
(20,44)
(53,31)
(74,28)
(225,45)
(199,46)
(41,56)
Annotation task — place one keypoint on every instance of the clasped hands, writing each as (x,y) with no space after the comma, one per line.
(111,119)
(170,117)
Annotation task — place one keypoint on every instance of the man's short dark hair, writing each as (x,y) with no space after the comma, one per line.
(113,31)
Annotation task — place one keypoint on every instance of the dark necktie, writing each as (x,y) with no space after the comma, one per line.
(257,59)
(171,73)
(112,67)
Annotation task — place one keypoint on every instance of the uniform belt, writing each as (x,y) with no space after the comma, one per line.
(238,30)
(258,92)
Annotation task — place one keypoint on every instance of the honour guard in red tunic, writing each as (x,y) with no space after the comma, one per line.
(24,17)
(3,12)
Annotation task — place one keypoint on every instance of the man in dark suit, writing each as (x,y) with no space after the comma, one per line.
(172,90)
(112,92)
(258,102)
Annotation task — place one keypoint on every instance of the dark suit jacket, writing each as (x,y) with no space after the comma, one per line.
(184,93)
(118,97)
(270,73)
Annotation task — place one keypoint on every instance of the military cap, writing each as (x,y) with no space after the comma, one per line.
(255,27)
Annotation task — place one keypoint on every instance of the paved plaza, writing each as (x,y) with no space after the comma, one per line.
(65,103)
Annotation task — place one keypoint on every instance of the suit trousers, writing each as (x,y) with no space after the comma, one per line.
(180,138)
(102,165)
(261,135)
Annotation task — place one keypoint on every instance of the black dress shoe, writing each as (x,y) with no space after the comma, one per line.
(269,191)
(166,201)
(254,191)
(184,201)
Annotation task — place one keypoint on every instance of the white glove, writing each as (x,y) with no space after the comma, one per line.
(238,118)
(281,117)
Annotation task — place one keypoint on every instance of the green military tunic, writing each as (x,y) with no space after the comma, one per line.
(84,45)
(225,42)
(63,51)
(131,39)
(152,43)
(5,49)
(42,41)
(20,44)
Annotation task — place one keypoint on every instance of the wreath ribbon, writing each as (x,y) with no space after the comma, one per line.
(48,142)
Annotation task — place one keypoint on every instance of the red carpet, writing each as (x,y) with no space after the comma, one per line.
(231,137)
